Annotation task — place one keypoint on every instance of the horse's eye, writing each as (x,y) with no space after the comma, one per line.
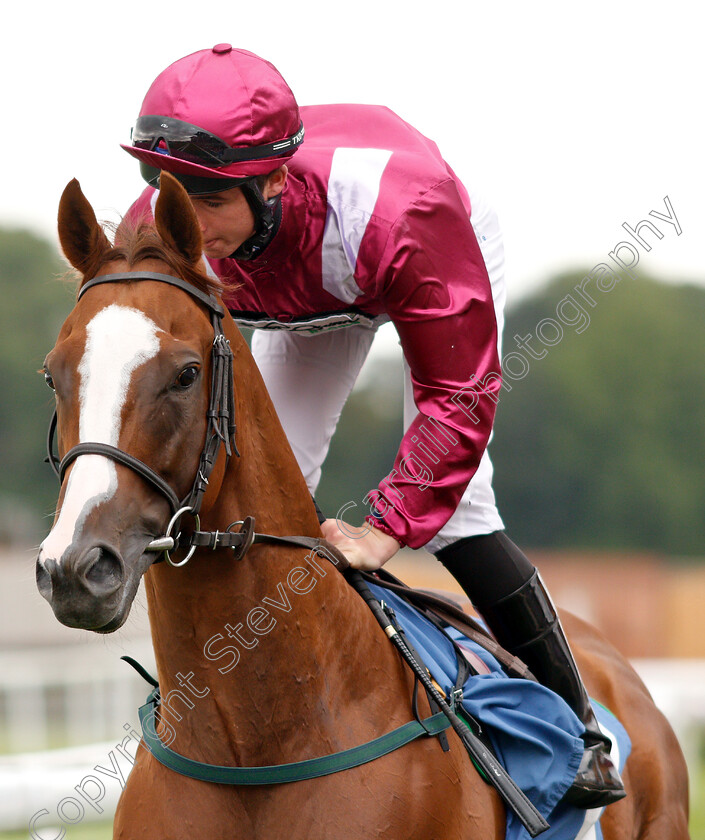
(48,379)
(187,377)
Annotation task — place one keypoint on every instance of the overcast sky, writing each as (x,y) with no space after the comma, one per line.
(572,118)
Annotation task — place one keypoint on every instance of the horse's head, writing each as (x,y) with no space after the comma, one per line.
(131,371)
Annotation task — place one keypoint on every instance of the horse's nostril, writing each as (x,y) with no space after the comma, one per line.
(43,580)
(103,570)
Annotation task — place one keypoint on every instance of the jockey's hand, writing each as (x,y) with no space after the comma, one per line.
(365,548)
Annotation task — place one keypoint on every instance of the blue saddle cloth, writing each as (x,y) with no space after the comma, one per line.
(536,736)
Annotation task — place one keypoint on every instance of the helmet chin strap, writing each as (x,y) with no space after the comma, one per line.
(268,216)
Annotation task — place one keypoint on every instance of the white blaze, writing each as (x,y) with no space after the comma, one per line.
(119,340)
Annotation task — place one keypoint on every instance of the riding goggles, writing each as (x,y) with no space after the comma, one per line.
(188,142)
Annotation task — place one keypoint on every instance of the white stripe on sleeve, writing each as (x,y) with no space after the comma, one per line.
(353,188)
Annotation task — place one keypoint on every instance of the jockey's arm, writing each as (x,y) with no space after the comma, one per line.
(437,292)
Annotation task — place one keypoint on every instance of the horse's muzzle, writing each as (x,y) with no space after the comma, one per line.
(84,587)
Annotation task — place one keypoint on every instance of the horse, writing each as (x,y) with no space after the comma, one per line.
(272,657)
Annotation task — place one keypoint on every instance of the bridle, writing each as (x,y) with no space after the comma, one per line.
(220,414)
(221,432)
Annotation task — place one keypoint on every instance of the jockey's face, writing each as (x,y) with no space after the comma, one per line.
(226,218)
(226,221)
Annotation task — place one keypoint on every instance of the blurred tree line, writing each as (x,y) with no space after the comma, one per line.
(599,445)
(34,304)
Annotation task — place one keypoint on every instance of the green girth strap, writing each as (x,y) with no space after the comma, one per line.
(281,773)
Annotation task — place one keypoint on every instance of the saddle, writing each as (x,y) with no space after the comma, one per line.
(446,609)
(522,738)
(530,730)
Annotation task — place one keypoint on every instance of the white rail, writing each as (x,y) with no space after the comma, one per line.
(67,695)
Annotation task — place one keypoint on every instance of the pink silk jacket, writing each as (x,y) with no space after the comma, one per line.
(376,226)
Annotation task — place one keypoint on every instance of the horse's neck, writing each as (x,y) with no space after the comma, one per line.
(265,482)
(279,622)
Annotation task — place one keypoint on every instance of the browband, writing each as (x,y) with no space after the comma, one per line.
(206,299)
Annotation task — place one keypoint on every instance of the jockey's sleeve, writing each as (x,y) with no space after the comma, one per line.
(437,292)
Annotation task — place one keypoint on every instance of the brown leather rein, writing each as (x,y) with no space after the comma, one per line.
(221,432)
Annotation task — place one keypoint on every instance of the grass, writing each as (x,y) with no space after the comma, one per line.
(697,807)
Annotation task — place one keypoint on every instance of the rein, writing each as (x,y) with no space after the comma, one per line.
(451,714)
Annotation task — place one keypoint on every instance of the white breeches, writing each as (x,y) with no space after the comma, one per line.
(309,378)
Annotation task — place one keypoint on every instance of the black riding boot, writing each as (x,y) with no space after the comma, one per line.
(507,591)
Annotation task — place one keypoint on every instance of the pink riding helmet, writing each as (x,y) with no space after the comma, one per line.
(218,113)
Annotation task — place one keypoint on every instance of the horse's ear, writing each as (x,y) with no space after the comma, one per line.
(176,219)
(82,239)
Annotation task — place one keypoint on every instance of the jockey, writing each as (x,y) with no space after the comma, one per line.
(317,244)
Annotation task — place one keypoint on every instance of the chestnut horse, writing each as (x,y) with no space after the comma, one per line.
(268,659)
